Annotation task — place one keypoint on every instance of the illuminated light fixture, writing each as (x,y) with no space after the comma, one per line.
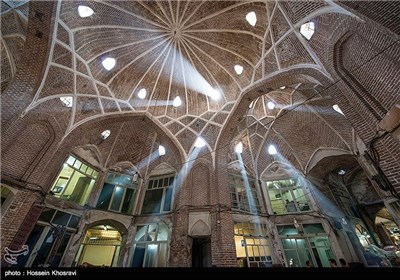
(251,18)
(270,105)
(135,177)
(93,238)
(105,134)
(307,30)
(272,150)
(239,148)
(341,172)
(177,102)
(108,63)
(199,142)
(67,101)
(161,150)
(337,109)
(238,69)
(282,87)
(85,11)
(344,221)
(296,224)
(142,93)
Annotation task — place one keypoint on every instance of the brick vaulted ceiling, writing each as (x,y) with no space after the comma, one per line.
(186,49)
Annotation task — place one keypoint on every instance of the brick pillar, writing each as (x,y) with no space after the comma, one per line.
(19,218)
(180,254)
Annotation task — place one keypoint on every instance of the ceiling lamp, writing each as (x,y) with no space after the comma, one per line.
(108,63)
(251,18)
(161,150)
(85,11)
(272,150)
(337,109)
(105,134)
(142,93)
(341,172)
(199,142)
(239,148)
(307,30)
(282,87)
(177,102)
(271,105)
(238,69)
(67,101)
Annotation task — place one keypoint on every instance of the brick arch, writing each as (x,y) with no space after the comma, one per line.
(292,76)
(280,168)
(118,225)
(22,88)
(321,153)
(366,94)
(25,147)
(133,138)
(91,154)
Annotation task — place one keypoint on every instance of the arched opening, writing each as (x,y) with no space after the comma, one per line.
(387,229)
(100,247)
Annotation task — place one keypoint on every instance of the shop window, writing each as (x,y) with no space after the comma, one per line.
(244,194)
(159,195)
(49,239)
(252,245)
(305,242)
(100,247)
(287,196)
(118,193)
(75,181)
(150,246)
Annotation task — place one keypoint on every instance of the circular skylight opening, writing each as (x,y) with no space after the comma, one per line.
(199,142)
(238,69)
(251,18)
(177,102)
(108,63)
(270,105)
(272,150)
(142,93)
(85,11)
(105,134)
(67,101)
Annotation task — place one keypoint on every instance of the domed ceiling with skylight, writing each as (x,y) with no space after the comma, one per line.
(185,64)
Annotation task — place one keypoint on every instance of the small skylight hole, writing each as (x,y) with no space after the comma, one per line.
(67,101)
(85,11)
(307,30)
(105,134)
